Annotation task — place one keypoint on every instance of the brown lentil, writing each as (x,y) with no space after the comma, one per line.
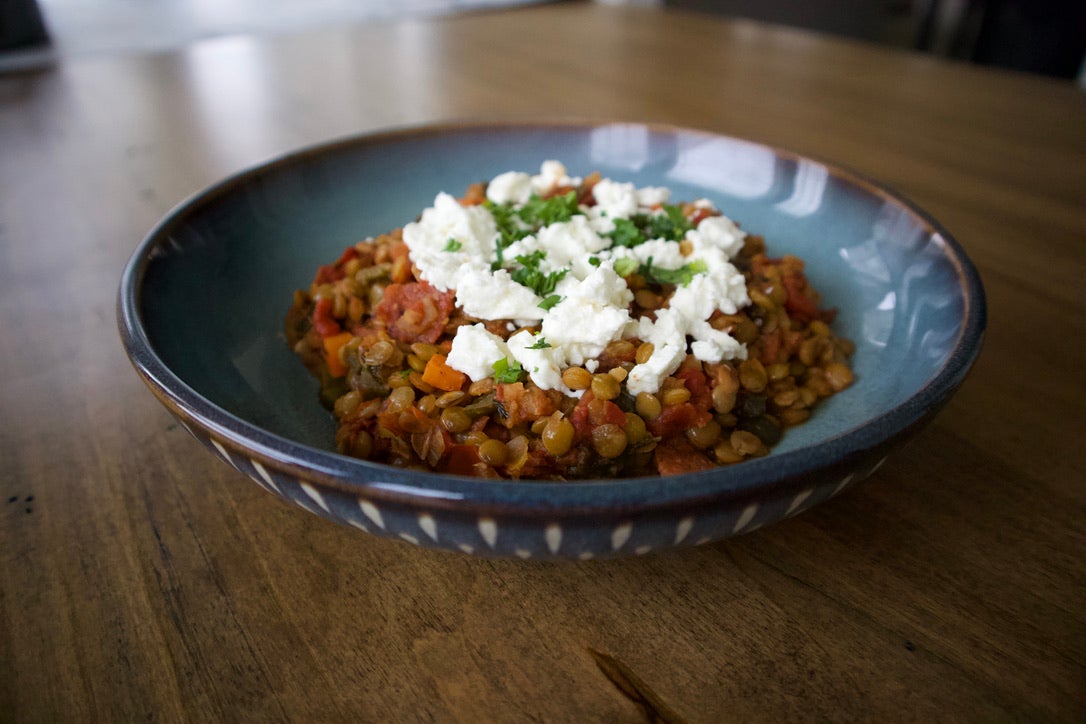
(558,436)
(577,378)
(648,405)
(726,454)
(744,443)
(635,428)
(838,375)
(605,387)
(450,398)
(644,352)
(752,375)
(675,396)
(609,440)
(455,419)
(493,452)
(704,436)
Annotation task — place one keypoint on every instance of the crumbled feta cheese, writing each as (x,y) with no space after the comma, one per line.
(668,337)
(472,227)
(651,196)
(718,232)
(615,199)
(494,295)
(475,350)
(543,365)
(456,248)
(593,313)
(570,243)
(510,187)
(552,175)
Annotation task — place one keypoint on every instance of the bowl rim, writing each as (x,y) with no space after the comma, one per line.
(376,481)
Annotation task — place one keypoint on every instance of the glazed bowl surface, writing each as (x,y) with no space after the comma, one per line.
(202,301)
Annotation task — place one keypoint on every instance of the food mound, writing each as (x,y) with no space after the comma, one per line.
(559,328)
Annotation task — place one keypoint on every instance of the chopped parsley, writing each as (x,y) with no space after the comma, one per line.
(540,343)
(506,371)
(510,228)
(680,277)
(549,301)
(626,233)
(453,245)
(530,275)
(625,266)
(669,224)
(516,223)
(537,212)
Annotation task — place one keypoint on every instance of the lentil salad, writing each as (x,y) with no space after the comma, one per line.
(551,327)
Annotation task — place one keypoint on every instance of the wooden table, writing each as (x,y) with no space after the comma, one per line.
(142,579)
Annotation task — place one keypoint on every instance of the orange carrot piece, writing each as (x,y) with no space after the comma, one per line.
(332,345)
(439,374)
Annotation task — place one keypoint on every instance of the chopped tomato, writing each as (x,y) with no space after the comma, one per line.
(695,380)
(675,456)
(800,302)
(524,404)
(591,412)
(323,321)
(415,312)
(461,460)
(677,419)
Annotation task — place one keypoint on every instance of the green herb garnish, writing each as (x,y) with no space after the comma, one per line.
(510,228)
(549,301)
(453,245)
(540,343)
(530,275)
(625,266)
(680,277)
(506,371)
(670,225)
(538,212)
(626,233)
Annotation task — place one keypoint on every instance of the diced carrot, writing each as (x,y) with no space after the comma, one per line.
(439,374)
(332,345)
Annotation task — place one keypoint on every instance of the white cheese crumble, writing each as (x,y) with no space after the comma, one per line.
(587,305)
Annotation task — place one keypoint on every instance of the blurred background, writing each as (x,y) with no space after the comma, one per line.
(1036,36)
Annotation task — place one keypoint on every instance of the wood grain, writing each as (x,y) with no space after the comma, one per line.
(140,578)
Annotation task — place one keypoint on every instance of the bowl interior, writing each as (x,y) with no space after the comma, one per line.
(220,271)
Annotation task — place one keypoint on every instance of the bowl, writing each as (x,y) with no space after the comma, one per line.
(202,300)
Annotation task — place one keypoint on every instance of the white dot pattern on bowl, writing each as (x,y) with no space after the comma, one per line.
(553,535)
(798,502)
(428,525)
(316,496)
(488,529)
(265,477)
(745,518)
(620,535)
(542,539)
(683,529)
(370,510)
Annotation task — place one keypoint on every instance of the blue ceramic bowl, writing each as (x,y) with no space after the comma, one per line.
(202,301)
